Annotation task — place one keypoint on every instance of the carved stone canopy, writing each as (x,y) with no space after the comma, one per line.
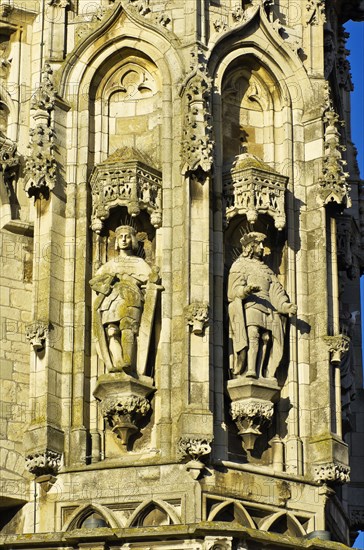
(252,187)
(126,178)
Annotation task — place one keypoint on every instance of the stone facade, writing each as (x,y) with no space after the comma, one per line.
(181,244)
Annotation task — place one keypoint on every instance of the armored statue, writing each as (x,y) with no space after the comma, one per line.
(126,289)
(258,306)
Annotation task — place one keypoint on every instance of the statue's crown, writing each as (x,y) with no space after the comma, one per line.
(253,236)
(121,228)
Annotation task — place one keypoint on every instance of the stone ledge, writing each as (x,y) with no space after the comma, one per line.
(172,532)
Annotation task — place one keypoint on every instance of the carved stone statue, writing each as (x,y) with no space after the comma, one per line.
(124,308)
(258,305)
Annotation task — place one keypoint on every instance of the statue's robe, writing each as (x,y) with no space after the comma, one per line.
(262,309)
(120,299)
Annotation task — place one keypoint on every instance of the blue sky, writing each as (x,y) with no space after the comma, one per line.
(356,46)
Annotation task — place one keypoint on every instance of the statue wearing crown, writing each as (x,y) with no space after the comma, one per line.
(126,289)
(258,309)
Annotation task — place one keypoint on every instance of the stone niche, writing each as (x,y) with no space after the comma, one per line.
(126,189)
(258,306)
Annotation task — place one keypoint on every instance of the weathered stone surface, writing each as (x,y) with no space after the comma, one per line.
(154,139)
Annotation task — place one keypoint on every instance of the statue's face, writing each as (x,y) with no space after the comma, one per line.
(124,240)
(258,249)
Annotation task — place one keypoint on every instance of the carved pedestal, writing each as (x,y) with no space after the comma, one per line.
(252,406)
(123,402)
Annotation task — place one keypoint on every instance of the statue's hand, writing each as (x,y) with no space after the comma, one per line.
(289,309)
(102,283)
(253,288)
(154,276)
(244,291)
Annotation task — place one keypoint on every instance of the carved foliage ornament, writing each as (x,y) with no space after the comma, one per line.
(197,144)
(315,12)
(197,316)
(338,347)
(142,7)
(193,447)
(42,463)
(8,154)
(333,185)
(332,472)
(41,166)
(342,63)
(37,334)
(123,413)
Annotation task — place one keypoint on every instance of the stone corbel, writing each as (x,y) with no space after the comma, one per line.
(251,417)
(194,448)
(338,347)
(124,403)
(44,466)
(37,334)
(197,316)
(332,472)
(252,407)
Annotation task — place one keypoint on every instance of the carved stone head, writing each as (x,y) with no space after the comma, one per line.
(252,244)
(125,238)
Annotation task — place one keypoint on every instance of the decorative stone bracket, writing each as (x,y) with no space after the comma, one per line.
(194,448)
(338,347)
(252,407)
(251,417)
(197,316)
(43,463)
(252,188)
(332,472)
(123,403)
(126,179)
(37,334)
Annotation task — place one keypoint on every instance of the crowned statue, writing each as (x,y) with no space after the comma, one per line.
(258,309)
(126,289)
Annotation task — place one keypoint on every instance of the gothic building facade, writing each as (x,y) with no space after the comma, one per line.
(182,227)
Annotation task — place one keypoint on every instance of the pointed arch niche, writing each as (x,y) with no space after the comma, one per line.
(125,107)
(252,108)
